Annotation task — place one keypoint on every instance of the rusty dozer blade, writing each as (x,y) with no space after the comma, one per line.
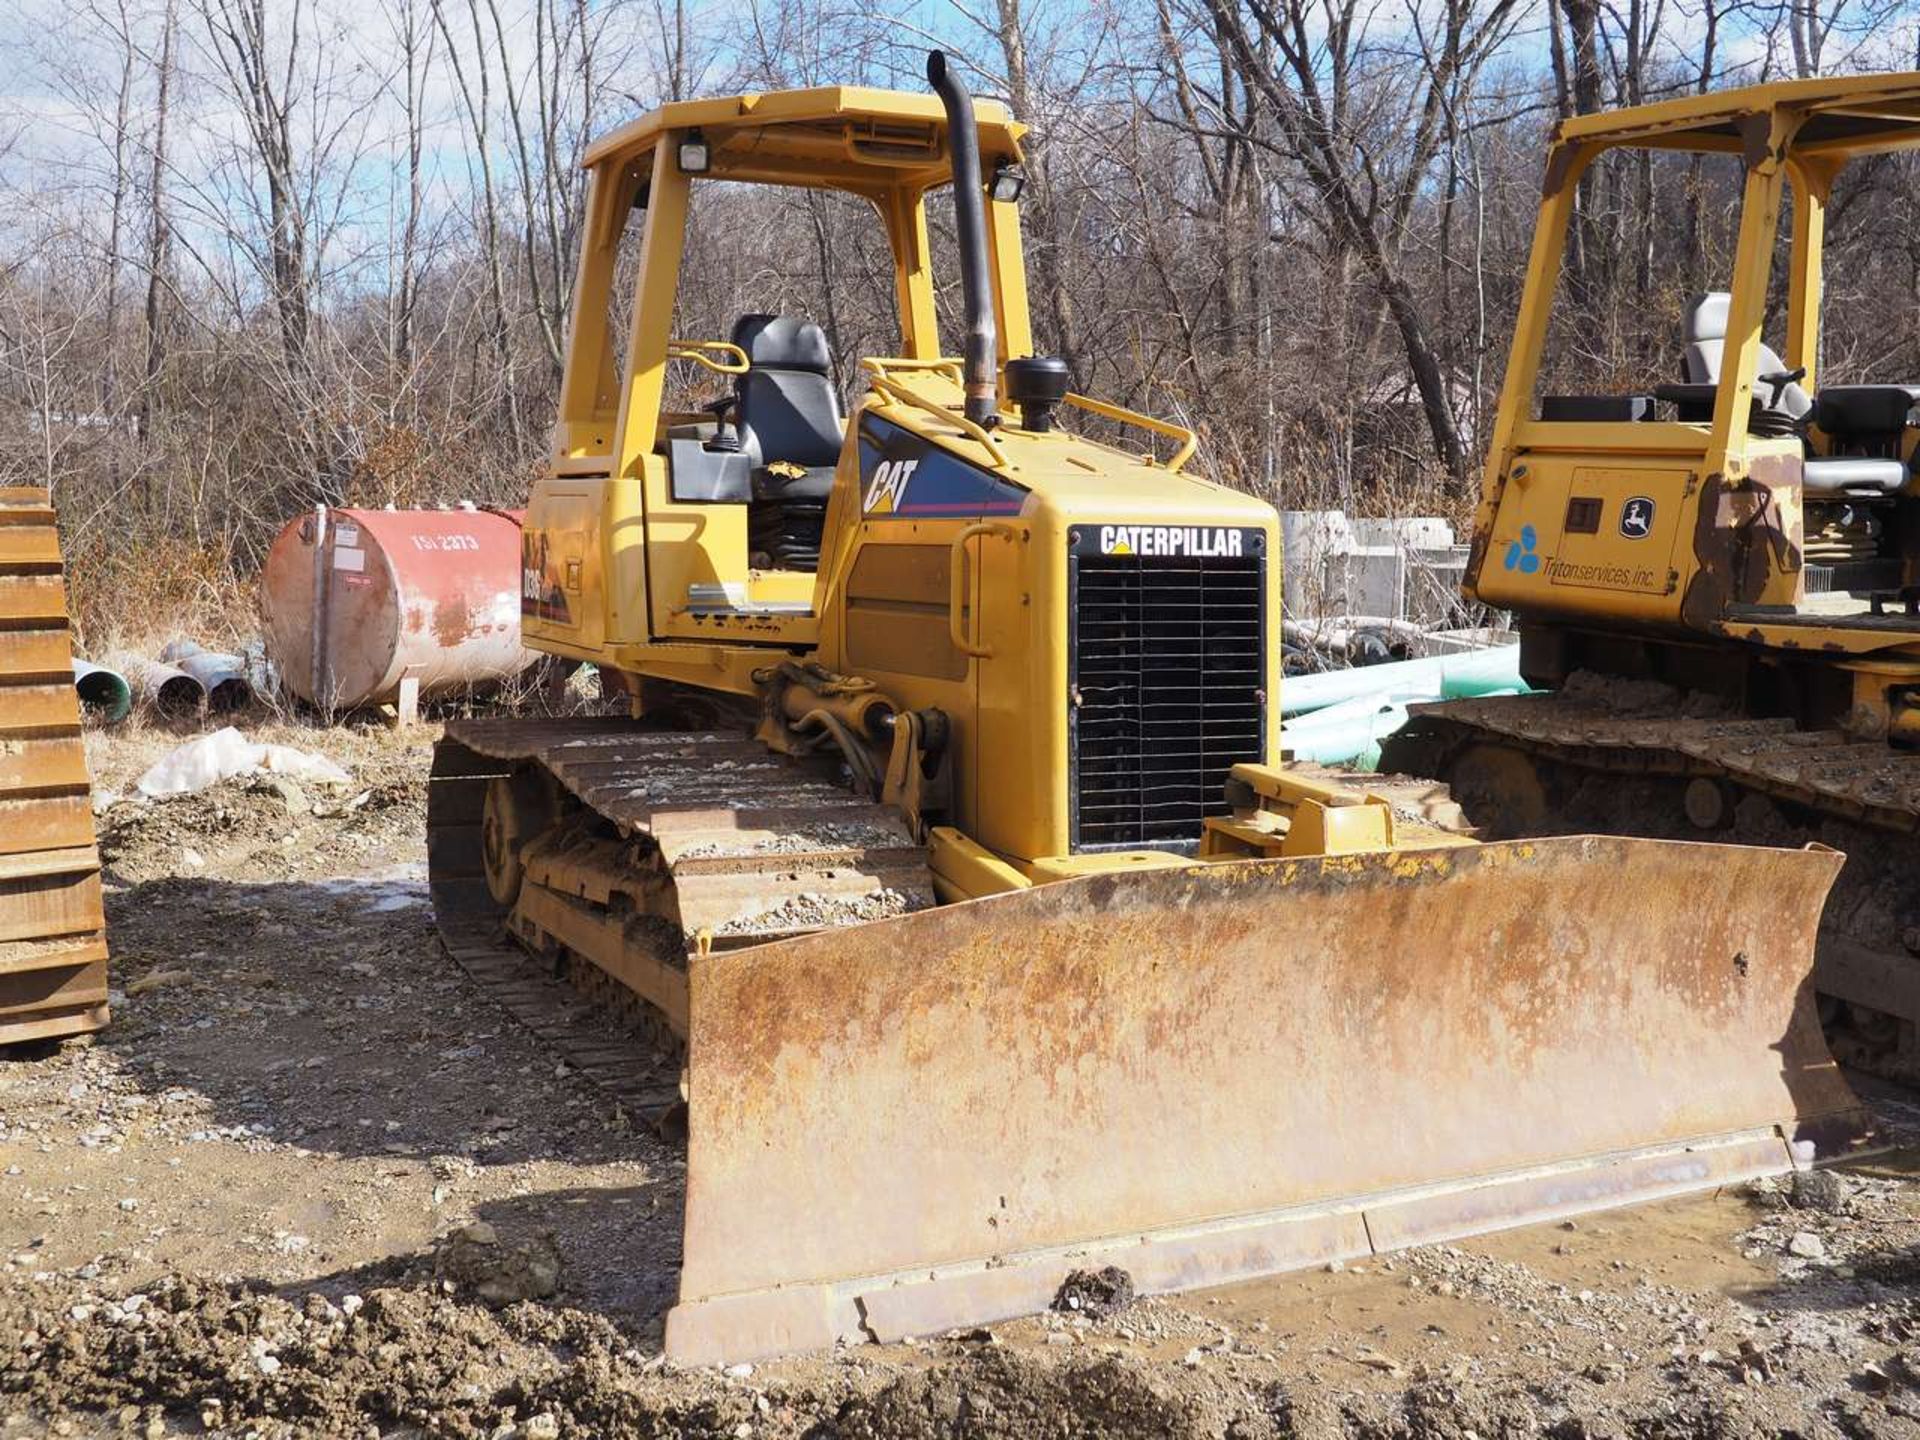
(1211,1073)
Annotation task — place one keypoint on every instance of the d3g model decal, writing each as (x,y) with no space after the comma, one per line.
(542,596)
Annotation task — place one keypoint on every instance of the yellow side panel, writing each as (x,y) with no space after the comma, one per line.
(625,548)
(1021,591)
(897,612)
(1574,537)
(892,612)
(563,593)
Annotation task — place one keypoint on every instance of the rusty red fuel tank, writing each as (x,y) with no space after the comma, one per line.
(359,603)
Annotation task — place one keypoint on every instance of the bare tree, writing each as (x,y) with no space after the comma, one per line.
(1366,145)
(264,83)
(159,234)
(1297,225)
(476,98)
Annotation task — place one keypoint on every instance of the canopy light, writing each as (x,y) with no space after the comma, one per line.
(1008,181)
(694,155)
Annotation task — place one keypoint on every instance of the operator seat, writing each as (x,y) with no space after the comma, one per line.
(1706,335)
(791,429)
(784,405)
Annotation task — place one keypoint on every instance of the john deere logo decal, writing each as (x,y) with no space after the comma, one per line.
(1520,553)
(1636,518)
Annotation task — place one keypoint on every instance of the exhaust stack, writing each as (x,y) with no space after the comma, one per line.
(970,222)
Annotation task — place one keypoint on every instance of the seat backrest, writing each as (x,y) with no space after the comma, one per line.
(1706,340)
(785,405)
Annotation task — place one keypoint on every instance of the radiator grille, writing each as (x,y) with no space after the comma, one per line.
(1166,656)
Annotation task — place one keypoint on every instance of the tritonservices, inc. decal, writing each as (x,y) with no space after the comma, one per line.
(1521,554)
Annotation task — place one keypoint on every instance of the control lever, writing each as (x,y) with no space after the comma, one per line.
(726,439)
(1779,380)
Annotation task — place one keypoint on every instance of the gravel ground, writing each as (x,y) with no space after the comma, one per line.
(313,1182)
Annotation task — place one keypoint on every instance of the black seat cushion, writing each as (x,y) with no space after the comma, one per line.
(785,407)
(1868,411)
(812,487)
(1850,475)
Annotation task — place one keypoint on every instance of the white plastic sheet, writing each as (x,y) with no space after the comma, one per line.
(227,753)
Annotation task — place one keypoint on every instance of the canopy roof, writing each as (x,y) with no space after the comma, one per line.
(846,136)
(1844,115)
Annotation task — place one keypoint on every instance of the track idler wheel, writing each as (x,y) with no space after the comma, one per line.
(1501,791)
(1709,803)
(518,807)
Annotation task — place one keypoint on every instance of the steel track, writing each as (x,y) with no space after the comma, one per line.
(53,947)
(669,843)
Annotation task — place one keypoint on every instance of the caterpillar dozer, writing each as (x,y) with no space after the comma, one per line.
(53,948)
(947,864)
(1717,577)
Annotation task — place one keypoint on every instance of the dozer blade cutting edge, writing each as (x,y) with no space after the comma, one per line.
(1211,1073)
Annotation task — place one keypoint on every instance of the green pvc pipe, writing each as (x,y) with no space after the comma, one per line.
(1445,677)
(1351,732)
(105,692)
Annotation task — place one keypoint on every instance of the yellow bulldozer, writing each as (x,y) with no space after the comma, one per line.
(1717,577)
(947,861)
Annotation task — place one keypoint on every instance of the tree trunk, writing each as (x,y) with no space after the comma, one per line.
(1042,217)
(116,224)
(159,235)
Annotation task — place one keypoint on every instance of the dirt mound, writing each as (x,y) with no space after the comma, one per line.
(1003,1393)
(145,840)
(242,1358)
(1097,1294)
(258,827)
(473,1259)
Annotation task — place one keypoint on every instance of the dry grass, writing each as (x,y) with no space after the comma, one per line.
(138,594)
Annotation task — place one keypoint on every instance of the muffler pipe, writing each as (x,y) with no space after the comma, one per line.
(970,222)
